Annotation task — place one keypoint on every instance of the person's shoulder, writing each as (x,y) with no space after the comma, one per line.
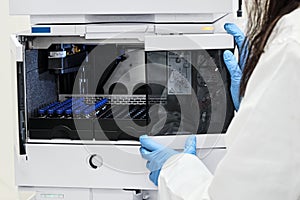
(290,20)
(292,15)
(286,29)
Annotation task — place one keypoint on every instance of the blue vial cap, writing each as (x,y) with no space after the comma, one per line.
(77,112)
(50,111)
(59,111)
(69,112)
(101,103)
(41,111)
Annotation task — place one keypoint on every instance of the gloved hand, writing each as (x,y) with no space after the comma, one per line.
(157,154)
(235,69)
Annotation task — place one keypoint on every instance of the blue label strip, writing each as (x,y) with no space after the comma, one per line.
(40,30)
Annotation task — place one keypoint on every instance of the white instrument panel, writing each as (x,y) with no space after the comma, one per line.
(122,166)
(119,7)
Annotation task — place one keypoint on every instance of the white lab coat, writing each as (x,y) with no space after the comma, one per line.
(263,158)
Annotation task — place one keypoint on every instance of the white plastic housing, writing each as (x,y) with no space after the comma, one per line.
(97,7)
(92,11)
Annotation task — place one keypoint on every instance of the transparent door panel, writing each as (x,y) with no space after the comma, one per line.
(84,91)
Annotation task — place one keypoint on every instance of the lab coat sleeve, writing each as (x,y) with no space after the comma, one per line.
(184,176)
(263,159)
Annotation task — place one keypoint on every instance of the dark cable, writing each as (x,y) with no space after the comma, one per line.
(109,71)
(240,10)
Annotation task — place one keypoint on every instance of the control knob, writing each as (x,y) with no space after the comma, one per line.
(95,161)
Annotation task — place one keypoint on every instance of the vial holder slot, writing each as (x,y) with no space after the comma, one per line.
(83,118)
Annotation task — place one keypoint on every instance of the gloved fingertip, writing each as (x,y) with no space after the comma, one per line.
(190,150)
(143,150)
(191,145)
(228,55)
(226,25)
(150,144)
(191,140)
(148,165)
(229,27)
(143,137)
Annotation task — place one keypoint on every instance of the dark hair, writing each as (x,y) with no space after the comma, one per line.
(263,16)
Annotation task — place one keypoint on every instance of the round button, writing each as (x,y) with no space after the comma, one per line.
(95,161)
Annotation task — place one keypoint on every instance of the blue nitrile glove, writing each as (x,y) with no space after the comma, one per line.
(157,154)
(235,69)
